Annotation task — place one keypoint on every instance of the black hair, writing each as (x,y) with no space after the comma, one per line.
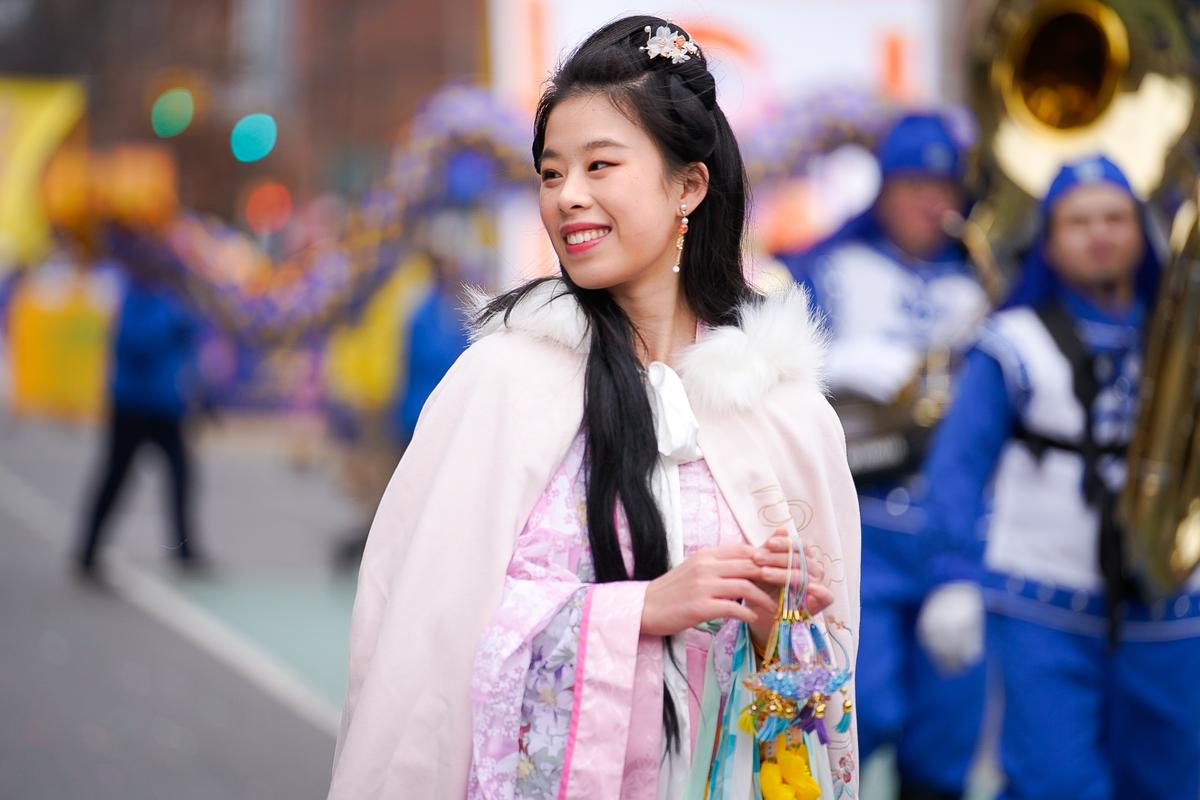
(676,104)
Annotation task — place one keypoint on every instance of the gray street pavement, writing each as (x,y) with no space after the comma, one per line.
(224,686)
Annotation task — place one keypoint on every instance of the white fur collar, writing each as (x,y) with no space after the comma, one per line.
(728,368)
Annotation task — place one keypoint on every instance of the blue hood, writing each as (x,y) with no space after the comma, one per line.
(1038,282)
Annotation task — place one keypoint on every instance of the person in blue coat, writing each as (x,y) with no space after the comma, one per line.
(450,235)
(436,336)
(1098,680)
(152,389)
(894,286)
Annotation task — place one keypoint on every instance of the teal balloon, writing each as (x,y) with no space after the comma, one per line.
(253,137)
(172,112)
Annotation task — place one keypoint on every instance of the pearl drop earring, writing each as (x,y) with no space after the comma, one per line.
(683,229)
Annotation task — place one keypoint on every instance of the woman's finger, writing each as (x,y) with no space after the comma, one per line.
(774,576)
(780,544)
(816,570)
(749,592)
(729,552)
(766,559)
(739,568)
(777,556)
(731,609)
(819,598)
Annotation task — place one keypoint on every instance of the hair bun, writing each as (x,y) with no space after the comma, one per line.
(701,83)
(692,113)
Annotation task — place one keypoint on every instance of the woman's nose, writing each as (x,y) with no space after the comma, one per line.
(573,194)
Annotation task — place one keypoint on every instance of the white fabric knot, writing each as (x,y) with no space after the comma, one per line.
(675,425)
(676,429)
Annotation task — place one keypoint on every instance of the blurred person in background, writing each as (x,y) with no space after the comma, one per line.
(893,287)
(437,332)
(434,336)
(1100,699)
(153,387)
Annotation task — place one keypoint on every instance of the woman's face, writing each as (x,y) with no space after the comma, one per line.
(609,207)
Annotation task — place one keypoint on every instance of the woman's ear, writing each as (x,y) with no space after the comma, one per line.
(694,185)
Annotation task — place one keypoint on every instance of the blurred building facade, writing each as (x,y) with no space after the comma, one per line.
(339,76)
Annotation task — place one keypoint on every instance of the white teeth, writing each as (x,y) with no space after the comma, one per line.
(579,237)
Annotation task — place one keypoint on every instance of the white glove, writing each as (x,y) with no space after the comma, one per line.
(950,626)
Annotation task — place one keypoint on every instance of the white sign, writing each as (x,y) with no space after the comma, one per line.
(762,52)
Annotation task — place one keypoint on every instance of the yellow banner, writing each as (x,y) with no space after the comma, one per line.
(35,116)
(59,328)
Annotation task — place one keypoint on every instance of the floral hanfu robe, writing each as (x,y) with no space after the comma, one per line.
(568,694)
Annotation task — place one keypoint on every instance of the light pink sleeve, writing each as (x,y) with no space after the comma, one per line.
(553,689)
(616,728)
(540,584)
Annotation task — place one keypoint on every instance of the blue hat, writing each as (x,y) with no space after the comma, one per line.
(920,144)
(1038,281)
(1093,169)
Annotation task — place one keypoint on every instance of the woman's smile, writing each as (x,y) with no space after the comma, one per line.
(579,237)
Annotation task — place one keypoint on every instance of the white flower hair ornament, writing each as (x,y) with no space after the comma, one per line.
(667,43)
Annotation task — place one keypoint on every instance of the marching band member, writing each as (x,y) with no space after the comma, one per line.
(1098,685)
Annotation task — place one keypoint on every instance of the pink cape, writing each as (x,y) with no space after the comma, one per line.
(487,443)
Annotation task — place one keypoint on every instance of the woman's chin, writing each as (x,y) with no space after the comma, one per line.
(596,276)
(590,278)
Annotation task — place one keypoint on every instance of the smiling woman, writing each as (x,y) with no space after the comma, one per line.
(591,528)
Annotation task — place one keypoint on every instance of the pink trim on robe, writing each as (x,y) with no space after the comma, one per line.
(611,644)
(644,752)
(580,677)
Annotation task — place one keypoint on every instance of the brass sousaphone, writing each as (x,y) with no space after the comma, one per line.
(1160,507)
(1055,80)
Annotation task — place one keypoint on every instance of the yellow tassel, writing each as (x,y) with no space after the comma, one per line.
(796,772)
(771,782)
(746,721)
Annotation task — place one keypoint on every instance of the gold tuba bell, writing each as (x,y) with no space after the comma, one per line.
(1054,80)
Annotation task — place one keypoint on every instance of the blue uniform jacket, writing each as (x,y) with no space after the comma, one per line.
(154,353)
(987,404)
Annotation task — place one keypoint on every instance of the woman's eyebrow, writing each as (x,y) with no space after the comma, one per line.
(595,144)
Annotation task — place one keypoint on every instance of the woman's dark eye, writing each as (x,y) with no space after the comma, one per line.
(599,165)
(549,174)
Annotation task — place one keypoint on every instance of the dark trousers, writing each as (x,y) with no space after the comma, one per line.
(128,431)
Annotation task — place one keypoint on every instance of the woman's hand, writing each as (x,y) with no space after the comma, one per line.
(722,582)
(772,558)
